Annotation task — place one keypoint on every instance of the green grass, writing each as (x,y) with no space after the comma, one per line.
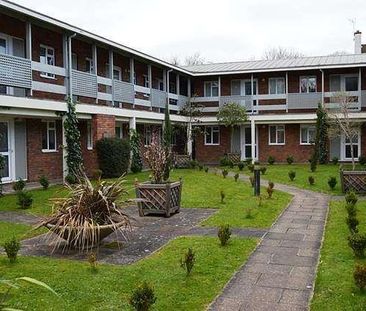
(335,289)
(19,231)
(278,173)
(200,190)
(109,288)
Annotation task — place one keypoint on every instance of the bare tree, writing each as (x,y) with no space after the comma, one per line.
(340,122)
(281,53)
(174,60)
(194,59)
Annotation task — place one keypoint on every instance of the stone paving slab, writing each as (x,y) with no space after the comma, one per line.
(282,269)
(18,217)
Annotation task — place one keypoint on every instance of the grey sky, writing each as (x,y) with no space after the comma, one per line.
(220,30)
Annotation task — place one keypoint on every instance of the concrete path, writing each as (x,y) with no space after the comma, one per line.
(280,273)
(18,217)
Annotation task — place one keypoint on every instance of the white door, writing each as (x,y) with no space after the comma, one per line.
(5,150)
(247,143)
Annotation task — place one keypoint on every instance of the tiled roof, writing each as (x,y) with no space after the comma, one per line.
(285,64)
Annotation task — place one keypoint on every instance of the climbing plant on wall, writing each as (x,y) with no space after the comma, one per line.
(74,158)
(136,162)
(321,140)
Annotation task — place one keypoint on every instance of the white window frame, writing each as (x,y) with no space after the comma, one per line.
(47,75)
(211,129)
(343,81)
(89,136)
(242,87)
(307,127)
(49,128)
(344,144)
(146,81)
(120,126)
(279,128)
(276,79)
(211,83)
(91,65)
(307,86)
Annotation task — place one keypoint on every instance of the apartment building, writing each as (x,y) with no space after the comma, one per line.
(43,61)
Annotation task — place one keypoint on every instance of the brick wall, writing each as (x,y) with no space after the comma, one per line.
(301,153)
(211,154)
(103,126)
(89,156)
(47,163)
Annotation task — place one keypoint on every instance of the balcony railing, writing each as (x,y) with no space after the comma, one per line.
(123,92)
(304,100)
(182,100)
(245,101)
(15,71)
(84,84)
(158,98)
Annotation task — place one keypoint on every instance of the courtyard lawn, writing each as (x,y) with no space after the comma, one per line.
(279,173)
(110,287)
(334,288)
(19,231)
(200,190)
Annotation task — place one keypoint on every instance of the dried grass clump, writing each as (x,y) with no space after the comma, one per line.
(89,212)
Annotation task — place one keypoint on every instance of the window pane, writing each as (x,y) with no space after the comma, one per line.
(42,52)
(304,85)
(2,46)
(272,134)
(248,88)
(5,171)
(351,84)
(335,83)
(44,136)
(304,134)
(4,137)
(52,139)
(254,88)
(272,86)
(280,86)
(248,136)
(118,132)
(215,137)
(280,137)
(312,134)
(215,89)
(208,89)
(235,87)
(208,135)
(248,152)
(312,85)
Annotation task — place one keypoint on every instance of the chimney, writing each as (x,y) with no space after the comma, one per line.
(358,44)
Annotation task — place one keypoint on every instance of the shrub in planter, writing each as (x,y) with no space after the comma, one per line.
(332,182)
(224,161)
(271,160)
(187,262)
(224,234)
(19,185)
(113,156)
(236,177)
(43,180)
(263,170)
(311,180)
(359,275)
(143,297)
(351,197)
(292,175)
(224,173)
(241,165)
(358,244)
(12,248)
(24,199)
(335,160)
(362,160)
(352,223)
(290,159)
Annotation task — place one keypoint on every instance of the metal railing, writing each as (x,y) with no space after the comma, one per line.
(15,71)
(84,84)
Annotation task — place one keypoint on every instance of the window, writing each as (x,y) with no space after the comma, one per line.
(119,131)
(307,135)
(146,81)
(236,87)
(74,61)
(212,135)
(3,46)
(276,134)
(89,136)
(134,78)
(147,135)
(160,85)
(49,136)
(211,89)
(47,56)
(343,83)
(276,85)
(355,146)
(89,65)
(307,84)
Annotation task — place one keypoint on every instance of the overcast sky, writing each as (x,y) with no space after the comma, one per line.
(226,30)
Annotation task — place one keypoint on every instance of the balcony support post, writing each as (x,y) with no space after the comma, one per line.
(111,75)
(95,64)
(65,169)
(132,75)
(359,88)
(189,91)
(286,90)
(164,80)
(322,71)
(189,139)
(252,124)
(252,91)
(28,40)
(149,74)
(178,84)
(219,87)
(69,64)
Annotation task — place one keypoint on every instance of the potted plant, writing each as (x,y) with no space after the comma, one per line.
(88,214)
(159,195)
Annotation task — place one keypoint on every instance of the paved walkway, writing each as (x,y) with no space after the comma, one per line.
(280,274)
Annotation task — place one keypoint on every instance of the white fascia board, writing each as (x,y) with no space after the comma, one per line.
(31,103)
(21,9)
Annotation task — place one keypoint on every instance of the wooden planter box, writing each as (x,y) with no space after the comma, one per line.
(353,180)
(161,199)
(182,160)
